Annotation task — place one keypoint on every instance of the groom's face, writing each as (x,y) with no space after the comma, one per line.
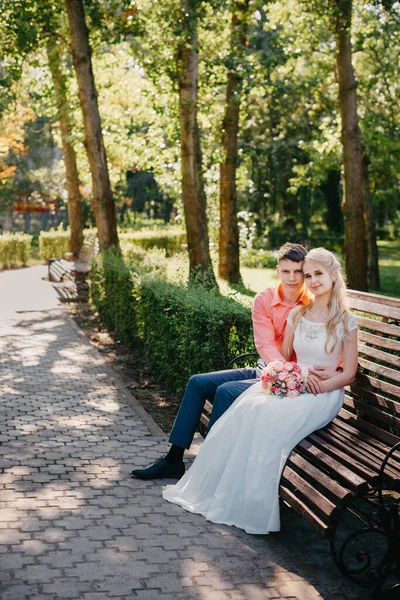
(291,275)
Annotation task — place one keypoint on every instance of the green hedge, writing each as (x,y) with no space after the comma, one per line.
(170,241)
(53,244)
(189,331)
(15,249)
(115,291)
(183,331)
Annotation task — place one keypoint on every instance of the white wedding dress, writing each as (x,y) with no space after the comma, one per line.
(235,477)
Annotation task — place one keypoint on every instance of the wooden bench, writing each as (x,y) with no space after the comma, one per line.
(344,479)
(71,275)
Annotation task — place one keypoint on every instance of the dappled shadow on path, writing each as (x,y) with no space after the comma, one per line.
(74,523)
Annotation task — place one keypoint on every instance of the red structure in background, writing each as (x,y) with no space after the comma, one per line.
(34,203)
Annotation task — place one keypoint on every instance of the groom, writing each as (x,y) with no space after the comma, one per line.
(269,313)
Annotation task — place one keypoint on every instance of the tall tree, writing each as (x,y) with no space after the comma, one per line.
(193,193)
(103,203)
(71,169)
(354,193)
(229,267)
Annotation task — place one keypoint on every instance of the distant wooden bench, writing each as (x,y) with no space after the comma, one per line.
(346,477)
(70,276)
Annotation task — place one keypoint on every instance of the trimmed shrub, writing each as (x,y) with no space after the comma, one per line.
(115,291)
(15,249)
(188,331)
(183,331)
(169,240)
(53,244)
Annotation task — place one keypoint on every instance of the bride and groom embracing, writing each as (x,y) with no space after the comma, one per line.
(235,477)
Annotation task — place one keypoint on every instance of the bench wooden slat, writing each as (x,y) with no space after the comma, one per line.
(374,298)
(313,496)
(379,369)
(317,455)
(378,309)
(360,435)
(379,341)
(319,477)
(343,444)
(375,398)
(366,380)
(323,528)
(379,354)
(379,433)
(372,411)
(379,326)
(364,440)
(348,461)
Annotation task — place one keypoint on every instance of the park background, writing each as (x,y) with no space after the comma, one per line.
(197,137)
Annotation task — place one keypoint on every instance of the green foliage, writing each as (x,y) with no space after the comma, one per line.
(148,261)
(258,259)
(53,244)
(184,331)
(188,331)
(170,240)
(15,249)
(115,291)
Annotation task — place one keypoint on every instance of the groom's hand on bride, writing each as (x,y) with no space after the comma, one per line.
(323,372)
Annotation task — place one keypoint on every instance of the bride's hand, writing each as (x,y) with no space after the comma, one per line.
(323,372)
(314,384)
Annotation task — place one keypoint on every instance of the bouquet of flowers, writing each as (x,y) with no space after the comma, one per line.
(280,378)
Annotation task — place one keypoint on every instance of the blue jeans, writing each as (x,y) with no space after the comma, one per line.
(221,386)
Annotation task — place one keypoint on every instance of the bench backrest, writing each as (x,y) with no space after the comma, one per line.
(372,402)
(89,248)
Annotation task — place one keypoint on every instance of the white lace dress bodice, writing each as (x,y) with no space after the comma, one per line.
(309,342)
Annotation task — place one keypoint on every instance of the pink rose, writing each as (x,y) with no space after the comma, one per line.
(282,376)
(279,366)
(292,393)
(289,366)
(291,384)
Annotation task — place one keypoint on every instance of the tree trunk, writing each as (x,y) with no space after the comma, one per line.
(373,255)
(353,197)
(103,203)
(193,194)
(71,169)
(229,266)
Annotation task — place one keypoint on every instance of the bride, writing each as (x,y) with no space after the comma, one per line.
(235,477)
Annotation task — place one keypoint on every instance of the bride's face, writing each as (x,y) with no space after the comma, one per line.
(318,279)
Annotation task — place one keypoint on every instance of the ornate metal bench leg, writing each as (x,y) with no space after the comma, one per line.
(383,522)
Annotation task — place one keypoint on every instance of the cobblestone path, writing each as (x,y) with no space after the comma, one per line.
(73,524)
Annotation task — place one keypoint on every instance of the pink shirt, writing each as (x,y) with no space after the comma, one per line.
(269,315)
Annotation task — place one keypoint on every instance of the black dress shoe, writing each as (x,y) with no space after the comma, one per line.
(160,470)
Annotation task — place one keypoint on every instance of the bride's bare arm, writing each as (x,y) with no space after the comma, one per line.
(287,345)
(350,362)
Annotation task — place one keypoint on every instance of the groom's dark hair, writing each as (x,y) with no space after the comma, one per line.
(293,252)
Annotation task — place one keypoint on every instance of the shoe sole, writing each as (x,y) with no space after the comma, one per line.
(148,477)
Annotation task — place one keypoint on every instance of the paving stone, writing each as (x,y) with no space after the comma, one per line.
(75,525)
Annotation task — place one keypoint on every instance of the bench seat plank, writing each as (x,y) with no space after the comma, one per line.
(390,438)
(315,454)
(323,528)
(332,488)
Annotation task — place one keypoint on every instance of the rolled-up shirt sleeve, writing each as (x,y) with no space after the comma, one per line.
(265,337)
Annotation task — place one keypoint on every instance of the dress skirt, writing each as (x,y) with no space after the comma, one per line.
(235,477)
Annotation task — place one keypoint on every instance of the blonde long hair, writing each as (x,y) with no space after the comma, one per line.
(337,305)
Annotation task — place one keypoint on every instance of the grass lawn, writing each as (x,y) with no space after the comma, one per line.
(256,280)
